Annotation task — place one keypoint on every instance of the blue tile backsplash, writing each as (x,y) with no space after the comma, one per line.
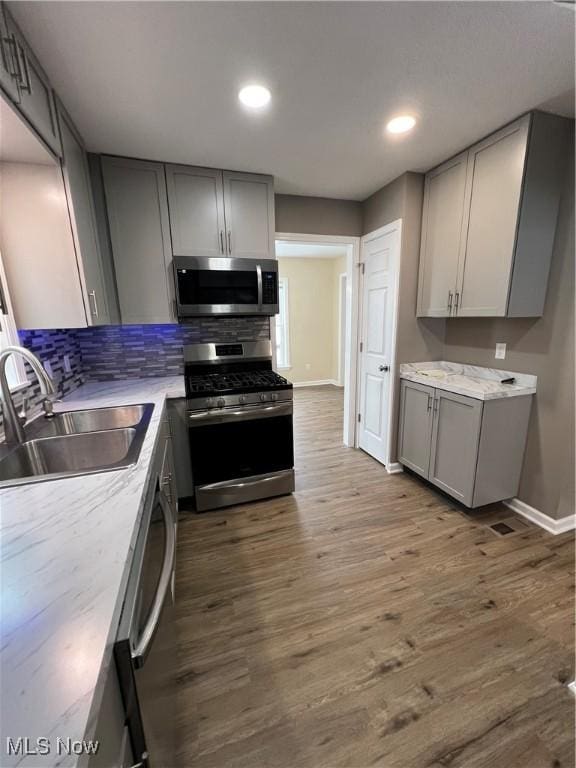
(136,351)
(125,351)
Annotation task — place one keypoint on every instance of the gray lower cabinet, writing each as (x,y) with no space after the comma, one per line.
(137,209)
(416,426)
(181,447)
(471,449)
(454,446)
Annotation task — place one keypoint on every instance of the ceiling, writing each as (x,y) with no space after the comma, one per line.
(309,250)
(159,80)
(18,144)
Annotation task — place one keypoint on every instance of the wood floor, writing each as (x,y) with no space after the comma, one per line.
(367,621)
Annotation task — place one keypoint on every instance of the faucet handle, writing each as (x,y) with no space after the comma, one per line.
(22,412)
(48,405)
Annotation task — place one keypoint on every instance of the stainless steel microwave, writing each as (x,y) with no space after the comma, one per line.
(224,286)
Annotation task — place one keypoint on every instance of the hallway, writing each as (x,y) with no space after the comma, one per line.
(366,620)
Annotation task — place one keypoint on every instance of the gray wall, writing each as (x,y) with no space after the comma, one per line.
(318,215)
(543,346)
(417,339)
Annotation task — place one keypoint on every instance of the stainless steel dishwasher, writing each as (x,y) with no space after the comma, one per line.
(145,649)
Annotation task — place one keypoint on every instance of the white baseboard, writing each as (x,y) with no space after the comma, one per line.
(318,383)
(394,468)
(539,518)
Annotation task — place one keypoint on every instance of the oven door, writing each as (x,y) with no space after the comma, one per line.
(225,286)
(241,454)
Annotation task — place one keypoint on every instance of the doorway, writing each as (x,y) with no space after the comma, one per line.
(315,334)
(379,284)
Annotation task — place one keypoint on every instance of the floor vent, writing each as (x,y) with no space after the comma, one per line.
(502,528)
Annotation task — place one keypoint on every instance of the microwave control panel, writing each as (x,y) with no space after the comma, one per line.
(269,288)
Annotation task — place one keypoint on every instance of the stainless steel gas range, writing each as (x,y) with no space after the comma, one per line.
(239,415)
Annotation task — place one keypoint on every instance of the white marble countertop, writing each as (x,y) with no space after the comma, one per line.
(65,553)
(471,380)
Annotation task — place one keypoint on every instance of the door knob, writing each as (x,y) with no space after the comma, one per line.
(383,367)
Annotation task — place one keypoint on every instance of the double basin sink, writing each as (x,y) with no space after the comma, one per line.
(76,443)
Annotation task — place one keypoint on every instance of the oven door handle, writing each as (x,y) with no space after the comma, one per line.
(227,484)
(247,414)
(142,645)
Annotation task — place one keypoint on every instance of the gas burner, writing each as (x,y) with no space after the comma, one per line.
(236,382)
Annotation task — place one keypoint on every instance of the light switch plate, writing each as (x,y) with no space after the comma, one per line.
(67,366)
(500,352)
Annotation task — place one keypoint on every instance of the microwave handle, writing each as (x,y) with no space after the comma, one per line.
(259,276)
(142,645)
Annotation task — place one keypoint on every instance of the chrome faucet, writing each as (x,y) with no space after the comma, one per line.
(13,421)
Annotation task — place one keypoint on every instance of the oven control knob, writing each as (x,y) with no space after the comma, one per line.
(274,397)
(221,402)
(262,397)
(241,399)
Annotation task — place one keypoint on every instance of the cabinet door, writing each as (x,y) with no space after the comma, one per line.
(196,200)
(82,219)
(139,231)
(8,63)
(455,438)
(249,210)
(36,98)
(442,215)
(415,436)
(493,194)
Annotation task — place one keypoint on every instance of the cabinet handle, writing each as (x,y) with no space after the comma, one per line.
(221,241)
(450,296)
(230,242)
(26,84)
(12,59)
(456,301)
(92,295)
(435,404)
(430,398)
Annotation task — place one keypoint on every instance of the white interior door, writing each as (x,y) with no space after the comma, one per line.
(379,255)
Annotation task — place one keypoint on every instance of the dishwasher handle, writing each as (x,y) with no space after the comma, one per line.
(143,643)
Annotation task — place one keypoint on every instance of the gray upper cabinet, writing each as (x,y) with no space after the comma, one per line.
(196,200)
(416,426)
(492,202)
(220,213)
(82,218)
(249,211)
(8,61)
(35,97)
(442,215)
(137,210)
(489,220)
(454,447)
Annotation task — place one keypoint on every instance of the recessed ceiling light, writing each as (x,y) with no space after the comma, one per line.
(254,96)
(401,124)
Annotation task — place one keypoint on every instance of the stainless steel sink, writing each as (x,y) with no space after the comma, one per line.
(93,420)
(76,443)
